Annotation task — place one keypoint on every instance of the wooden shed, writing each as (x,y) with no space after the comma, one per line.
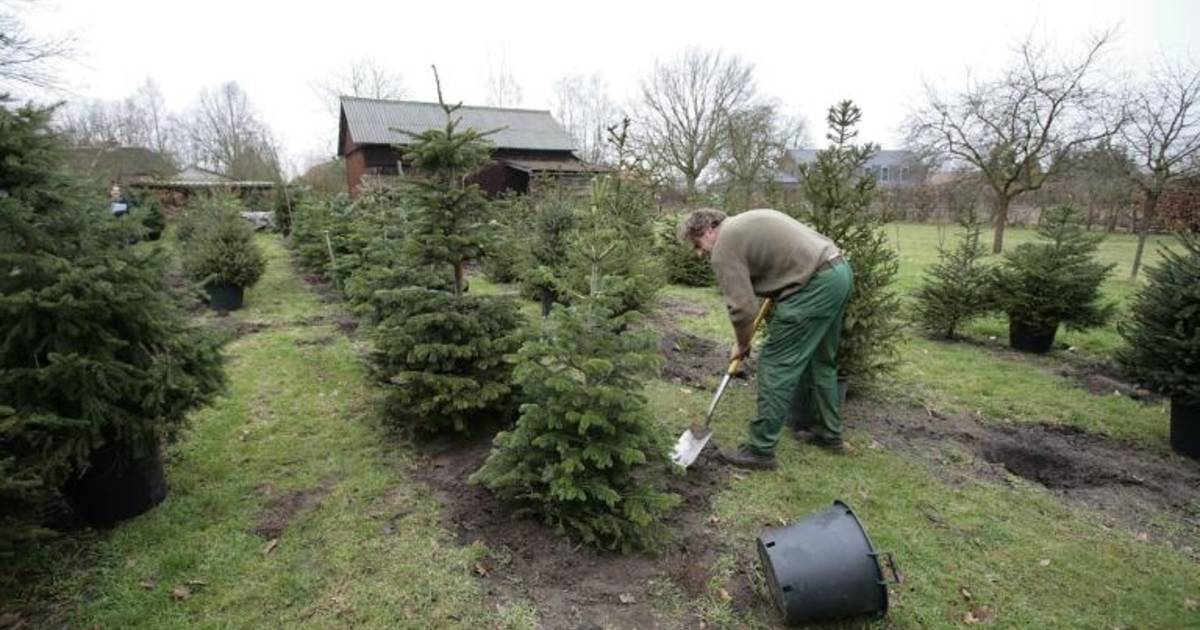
(531,146)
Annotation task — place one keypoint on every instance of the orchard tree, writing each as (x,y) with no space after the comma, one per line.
(1162,136)
(1017,128)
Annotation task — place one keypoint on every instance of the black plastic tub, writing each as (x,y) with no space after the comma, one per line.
(1185,428)
(224,297)
(1029,339)
(118,484)
(825,567)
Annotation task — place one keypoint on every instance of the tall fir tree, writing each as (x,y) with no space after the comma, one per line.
(957,287)
(96,350)
(1163,330)
(584,450)
(838,190)
(442,354)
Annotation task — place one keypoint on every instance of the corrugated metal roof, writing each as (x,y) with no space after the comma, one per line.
(371,121)
(555,166)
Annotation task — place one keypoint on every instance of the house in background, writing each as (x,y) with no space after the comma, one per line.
(530,145)
(174,189)
(892,168)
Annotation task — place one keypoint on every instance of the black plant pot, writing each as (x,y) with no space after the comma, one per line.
(224,297)
(117,485)
(1031,339)
(1185,428)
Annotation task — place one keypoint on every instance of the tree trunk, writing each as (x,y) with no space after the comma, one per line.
(1148,206)
(999,222)
(459,275)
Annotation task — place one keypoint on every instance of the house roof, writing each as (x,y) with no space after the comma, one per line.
(885,157)
(119,162)
(196,177)
(554,166)
(372,121)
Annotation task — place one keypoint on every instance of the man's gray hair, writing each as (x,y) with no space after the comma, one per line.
(697,223)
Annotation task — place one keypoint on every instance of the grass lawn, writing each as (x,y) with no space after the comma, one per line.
(291,506)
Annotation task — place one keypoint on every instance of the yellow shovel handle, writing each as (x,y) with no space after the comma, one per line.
(758,320)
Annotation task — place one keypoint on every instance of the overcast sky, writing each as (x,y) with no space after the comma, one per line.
(806,54)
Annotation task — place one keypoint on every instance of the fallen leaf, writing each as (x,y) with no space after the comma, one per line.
(978,614)
(482,568)
(196,583)
(626,598)
(1143,537)
(1045,562)
(180,593)
(685,390)
(149,584)
(965,593)
(1190,604)
(271,545)
(714,519)
(130,563)
(724,595)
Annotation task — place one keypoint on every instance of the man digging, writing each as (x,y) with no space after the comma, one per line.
(765,253)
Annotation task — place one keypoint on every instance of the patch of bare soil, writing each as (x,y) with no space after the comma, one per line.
(1131,485)
(324,289)
(281,509)
(346,323)
(572,585)
(690,359)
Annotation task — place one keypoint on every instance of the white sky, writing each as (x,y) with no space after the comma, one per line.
(806,54)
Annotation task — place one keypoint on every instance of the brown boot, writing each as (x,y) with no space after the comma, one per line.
(743,457)
(835,445)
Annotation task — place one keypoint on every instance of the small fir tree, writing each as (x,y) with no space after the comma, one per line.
(957,288)
(584,448)
(223,252)
(441,355)
(552,222)
(96,350)
(839,190)
(1163,330)
(1055,281)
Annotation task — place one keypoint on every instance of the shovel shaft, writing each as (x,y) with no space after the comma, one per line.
(735,363)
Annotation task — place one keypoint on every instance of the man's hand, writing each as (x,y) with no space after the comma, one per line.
(738,351)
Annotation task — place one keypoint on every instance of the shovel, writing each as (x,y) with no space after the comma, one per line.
(688,448)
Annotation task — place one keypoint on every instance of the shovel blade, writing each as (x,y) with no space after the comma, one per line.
(688,448)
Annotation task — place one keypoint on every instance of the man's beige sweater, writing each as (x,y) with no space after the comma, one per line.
(764,253)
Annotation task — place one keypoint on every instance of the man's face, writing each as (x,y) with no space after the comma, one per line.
(703,245)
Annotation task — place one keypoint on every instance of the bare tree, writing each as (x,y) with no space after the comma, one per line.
(582,105)
(226,135)
(1162,135)
(502,87)
(686,101)
(755,139)
(363,77)
(1016,129)
(25,60)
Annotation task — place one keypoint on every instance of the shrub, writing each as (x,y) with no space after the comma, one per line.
(1055,281)
(223,252)
(150,214)
(97,351)
(682,264)
(956,288)
(839,192)
(1163,330)
(201,209)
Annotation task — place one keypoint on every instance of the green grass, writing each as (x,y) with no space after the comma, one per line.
(367,553)
(916,244)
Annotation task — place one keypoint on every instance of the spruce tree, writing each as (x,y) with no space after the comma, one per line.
(223,252)
(96,350)
(1055,281)
(584,450)
(553,218)
(839,191)
(957,288)
(441,354)
(1163,330)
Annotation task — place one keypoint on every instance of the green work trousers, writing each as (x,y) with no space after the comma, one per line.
(799,359)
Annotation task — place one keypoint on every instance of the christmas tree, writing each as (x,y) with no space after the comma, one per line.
(585,448)
(1055,281)
(96,352)
(441,354)
(956,288)
(839,190)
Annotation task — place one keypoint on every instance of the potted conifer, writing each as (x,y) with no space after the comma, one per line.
(99,363)
(223,257)
(1055,281)
(1163,333)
